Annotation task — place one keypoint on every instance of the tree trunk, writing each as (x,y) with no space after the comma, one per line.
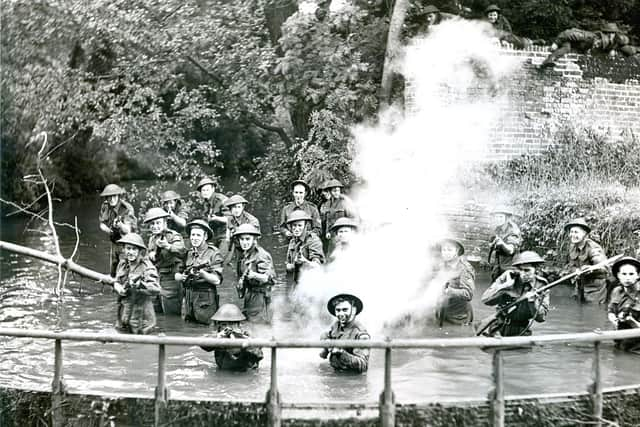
(276,13)
(393,49)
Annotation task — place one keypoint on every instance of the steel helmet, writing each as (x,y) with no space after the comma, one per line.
(246,229)
(200,223)
(610,27)
(301,182)
(169,195)
(204,181)
(133,239)
(431,9)
(228,313)
(344,222)
(578,222)
(234,200)
(622,261)
(455,241)
(298,215)
(527,257)
(354,300)
(492,8)
(155,213)
(332,183)
(112,190)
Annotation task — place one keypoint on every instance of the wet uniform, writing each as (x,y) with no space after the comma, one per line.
(352,359)
(201,300)
(626,301)
(501,259)
(518,319)
(236,359)
(124,213)
(257,295)
(455,306)
(309,246)
(135,309)
(168,261)
(590,287)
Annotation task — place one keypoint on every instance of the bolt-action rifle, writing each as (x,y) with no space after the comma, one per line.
(489,321)
(241,287)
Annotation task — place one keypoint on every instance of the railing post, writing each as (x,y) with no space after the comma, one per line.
(274,411)
(162,394)
(497,395)
(387,406)
(58,388)
(596,387)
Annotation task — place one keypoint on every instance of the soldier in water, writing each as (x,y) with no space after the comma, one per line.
(117,218)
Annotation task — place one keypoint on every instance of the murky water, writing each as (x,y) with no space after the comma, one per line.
(418,375)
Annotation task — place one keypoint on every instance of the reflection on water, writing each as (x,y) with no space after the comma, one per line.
(418,375)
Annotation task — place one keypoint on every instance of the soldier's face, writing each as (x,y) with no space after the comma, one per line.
(113,200)
(431,18)
(131,252)
(343,312)
(449,251)
(298,193)
(206,191)
(335,192)
(343,235)
(492,16)
(326,194)
(627,274)
(499,219)
(577,234)
(197,237)
(246,241)
(297,228)
(236,210)
(158,225)
(169,205)
(527,272)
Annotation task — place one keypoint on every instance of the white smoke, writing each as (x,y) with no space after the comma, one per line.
(409,165)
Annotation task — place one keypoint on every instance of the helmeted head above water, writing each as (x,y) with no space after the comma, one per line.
(155,213)
(610,27)
(228,313)
(168,196)
(332,183)
(133,239)
(627,260)
(527,257)
(201,224)
(234,200)
(578,230)
(345,307)
(344,222)
(112,190)
(246,229)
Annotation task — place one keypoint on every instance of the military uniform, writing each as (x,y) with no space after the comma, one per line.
(135,309)
(201,300)
(122,212)
(309,246)
(182,212)
(589,287)
(455,306)
(234,222)
(257,295)
(502,24)
(168,262)
(626,301)
(517,321)
(208,208)
(309,208)
(352,359)
(236,359)
(499,256)
(577,40)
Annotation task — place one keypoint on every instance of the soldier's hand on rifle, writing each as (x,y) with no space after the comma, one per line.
(162,243)
(152,255)
(613,319)
(179,277)
(119,288)
(532,296)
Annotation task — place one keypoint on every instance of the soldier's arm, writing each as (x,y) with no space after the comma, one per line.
(176,244)
(216,263)
(264,270)
(359,360)
(283,226)
(316,222)
(103,218)
(542,307)
(150,280)
(316,253)
(597,255)
(467,286)
(495,293)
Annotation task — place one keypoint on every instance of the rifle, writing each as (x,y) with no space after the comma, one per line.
(484,324)
(192,272)
(240,287)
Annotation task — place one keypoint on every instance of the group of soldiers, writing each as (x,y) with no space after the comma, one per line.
(609,40)
(165,275)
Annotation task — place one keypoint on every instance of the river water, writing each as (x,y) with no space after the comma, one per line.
(26,301)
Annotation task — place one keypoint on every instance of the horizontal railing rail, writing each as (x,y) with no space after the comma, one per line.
(386,406)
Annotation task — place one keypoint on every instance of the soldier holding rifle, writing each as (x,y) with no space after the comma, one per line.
(454,306)
(591,287)
(178,213)
(117,218)
(136,284)
(345,307)
(505,243)
(201,274)
(255,272)
(228,322)
(624,307)
(305,247)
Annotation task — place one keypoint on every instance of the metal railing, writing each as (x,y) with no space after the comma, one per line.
(387,405)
